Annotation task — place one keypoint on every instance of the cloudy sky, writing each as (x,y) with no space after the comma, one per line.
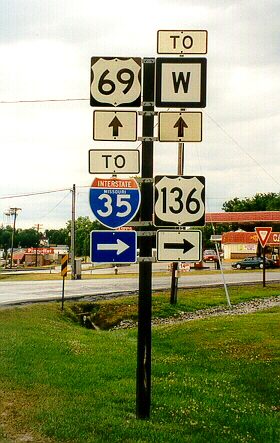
(45,51)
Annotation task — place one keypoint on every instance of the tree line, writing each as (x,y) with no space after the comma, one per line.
(26,238)
(31,238)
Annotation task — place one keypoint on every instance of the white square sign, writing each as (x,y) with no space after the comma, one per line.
(181,83)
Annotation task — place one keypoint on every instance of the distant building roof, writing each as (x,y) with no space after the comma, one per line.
(248,237)
(18,255)
(243,217)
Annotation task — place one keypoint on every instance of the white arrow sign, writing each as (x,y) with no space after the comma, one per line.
(179,245)
(120,247)
(180,126)
(115,125)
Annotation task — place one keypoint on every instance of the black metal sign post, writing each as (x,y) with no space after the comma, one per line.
(144,345)
(263,251)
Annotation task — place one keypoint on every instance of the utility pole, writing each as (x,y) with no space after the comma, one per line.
(37,226)
(13,211)
(72,251)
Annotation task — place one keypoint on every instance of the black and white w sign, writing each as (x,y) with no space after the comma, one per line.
(181,82)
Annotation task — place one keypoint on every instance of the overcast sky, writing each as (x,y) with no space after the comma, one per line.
(45,51)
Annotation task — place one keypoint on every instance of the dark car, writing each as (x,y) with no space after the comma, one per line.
(210,255)
(253,263)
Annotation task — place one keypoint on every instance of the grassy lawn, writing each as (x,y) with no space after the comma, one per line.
(212,380)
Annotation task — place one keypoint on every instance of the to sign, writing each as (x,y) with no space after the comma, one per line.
(121,161)
(182,42)
(113,246)
(115,125)
(179,200)
(179,245)
(181,82)
(114,201)
(263,234)
(180,127)
(115,81)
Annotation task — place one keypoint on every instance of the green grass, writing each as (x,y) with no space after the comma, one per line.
(212,380)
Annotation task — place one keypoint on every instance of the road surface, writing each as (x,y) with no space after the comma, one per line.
(24,291)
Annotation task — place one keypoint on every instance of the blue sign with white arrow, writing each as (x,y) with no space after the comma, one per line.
(113,246)
(114,201)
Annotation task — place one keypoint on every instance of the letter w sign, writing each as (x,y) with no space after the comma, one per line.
(181,83)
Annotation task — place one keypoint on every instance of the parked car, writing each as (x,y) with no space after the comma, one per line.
(210,255)
(253,262)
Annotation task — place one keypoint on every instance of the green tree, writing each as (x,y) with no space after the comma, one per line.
(5,237)
(83,228)
(259,202)
(58,236)
(27,238)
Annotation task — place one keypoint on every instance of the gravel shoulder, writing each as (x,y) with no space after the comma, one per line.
(249,307)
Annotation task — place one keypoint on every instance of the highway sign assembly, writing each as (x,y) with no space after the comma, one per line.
(179,200)
(113,247)
(111,161)
(179,245)
(263,235)
(182,42)
(114,202)
(115,125)
(115,81)
(180,127)
(181,82)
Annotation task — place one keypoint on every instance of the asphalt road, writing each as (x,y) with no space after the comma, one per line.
(25,291)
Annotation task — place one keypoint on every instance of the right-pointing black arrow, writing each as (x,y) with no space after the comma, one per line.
(116,124)
(186,246)
(180,124)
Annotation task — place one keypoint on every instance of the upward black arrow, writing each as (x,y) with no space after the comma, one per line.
(186,246)
(115,124)
(180,124)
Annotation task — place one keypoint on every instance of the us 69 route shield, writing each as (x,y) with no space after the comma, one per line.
(114,201)
(179,200)
(115,81)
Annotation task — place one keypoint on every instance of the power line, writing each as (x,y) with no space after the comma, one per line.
(5,102)
(241,148)
(59,203)
(33,193)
